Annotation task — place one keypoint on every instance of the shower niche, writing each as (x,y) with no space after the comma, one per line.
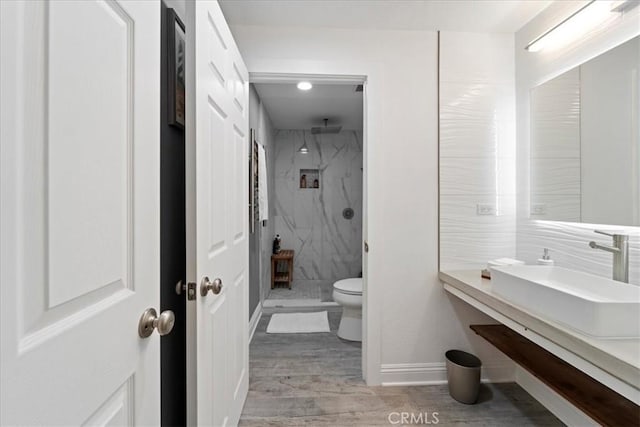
(309,178)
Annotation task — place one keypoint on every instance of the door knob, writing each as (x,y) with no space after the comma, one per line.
(150,321)
(180,287)
(207,285)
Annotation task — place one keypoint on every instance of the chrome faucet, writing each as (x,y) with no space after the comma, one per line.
(620,250)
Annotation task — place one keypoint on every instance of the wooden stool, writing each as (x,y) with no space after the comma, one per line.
(286,276)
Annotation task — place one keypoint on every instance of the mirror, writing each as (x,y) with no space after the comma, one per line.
(585,154)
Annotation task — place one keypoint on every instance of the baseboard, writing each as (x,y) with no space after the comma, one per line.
(253,322)
(436,373)
(556,404)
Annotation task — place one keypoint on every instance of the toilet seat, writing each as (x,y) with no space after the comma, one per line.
(349,286)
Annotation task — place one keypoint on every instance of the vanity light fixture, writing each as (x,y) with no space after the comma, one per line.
(574,26)
(304,85)
(624,6)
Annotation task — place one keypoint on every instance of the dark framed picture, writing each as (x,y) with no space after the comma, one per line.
(254,213)
(176,45)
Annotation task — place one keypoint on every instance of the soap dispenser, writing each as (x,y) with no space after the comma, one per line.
(546,258)
(276,245)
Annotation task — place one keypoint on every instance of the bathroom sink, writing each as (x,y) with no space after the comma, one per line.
(593,305)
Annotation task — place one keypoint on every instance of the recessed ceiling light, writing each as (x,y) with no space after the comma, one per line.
(304,85)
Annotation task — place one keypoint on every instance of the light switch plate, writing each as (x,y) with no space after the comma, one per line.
(539,209)
(485,209)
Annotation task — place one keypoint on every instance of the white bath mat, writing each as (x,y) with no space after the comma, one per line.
(298,323)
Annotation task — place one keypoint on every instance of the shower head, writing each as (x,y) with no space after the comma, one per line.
(326,129)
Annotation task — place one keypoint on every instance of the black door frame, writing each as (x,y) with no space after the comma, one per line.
(173,347)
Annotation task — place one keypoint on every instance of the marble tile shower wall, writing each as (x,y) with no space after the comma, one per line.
(310,221)
(477,149)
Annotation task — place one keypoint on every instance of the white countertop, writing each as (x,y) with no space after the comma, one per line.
(618,357)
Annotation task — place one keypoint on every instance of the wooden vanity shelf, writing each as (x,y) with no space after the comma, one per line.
(596,400)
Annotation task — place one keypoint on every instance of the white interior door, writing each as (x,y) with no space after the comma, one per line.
(221,91)
(80,212)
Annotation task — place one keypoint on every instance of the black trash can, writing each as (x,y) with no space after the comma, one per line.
(463,376)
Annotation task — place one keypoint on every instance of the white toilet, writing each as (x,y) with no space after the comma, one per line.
(348,293)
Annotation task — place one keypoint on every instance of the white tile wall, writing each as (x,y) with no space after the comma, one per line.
(569,245)
(555,149)
(459,213)
(477,149)
(559,177)
(479,175)
(561,208)
(555,117)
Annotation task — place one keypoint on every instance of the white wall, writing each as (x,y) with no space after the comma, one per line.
(568,241)
(411,322)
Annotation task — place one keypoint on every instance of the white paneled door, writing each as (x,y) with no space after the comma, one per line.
(80,212)
(221,91)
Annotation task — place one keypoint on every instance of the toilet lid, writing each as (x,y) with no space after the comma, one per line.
(349,286)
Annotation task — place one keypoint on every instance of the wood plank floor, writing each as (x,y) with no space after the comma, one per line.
(316,380)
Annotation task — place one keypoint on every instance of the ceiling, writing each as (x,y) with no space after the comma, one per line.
(502,16)
(291,108)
